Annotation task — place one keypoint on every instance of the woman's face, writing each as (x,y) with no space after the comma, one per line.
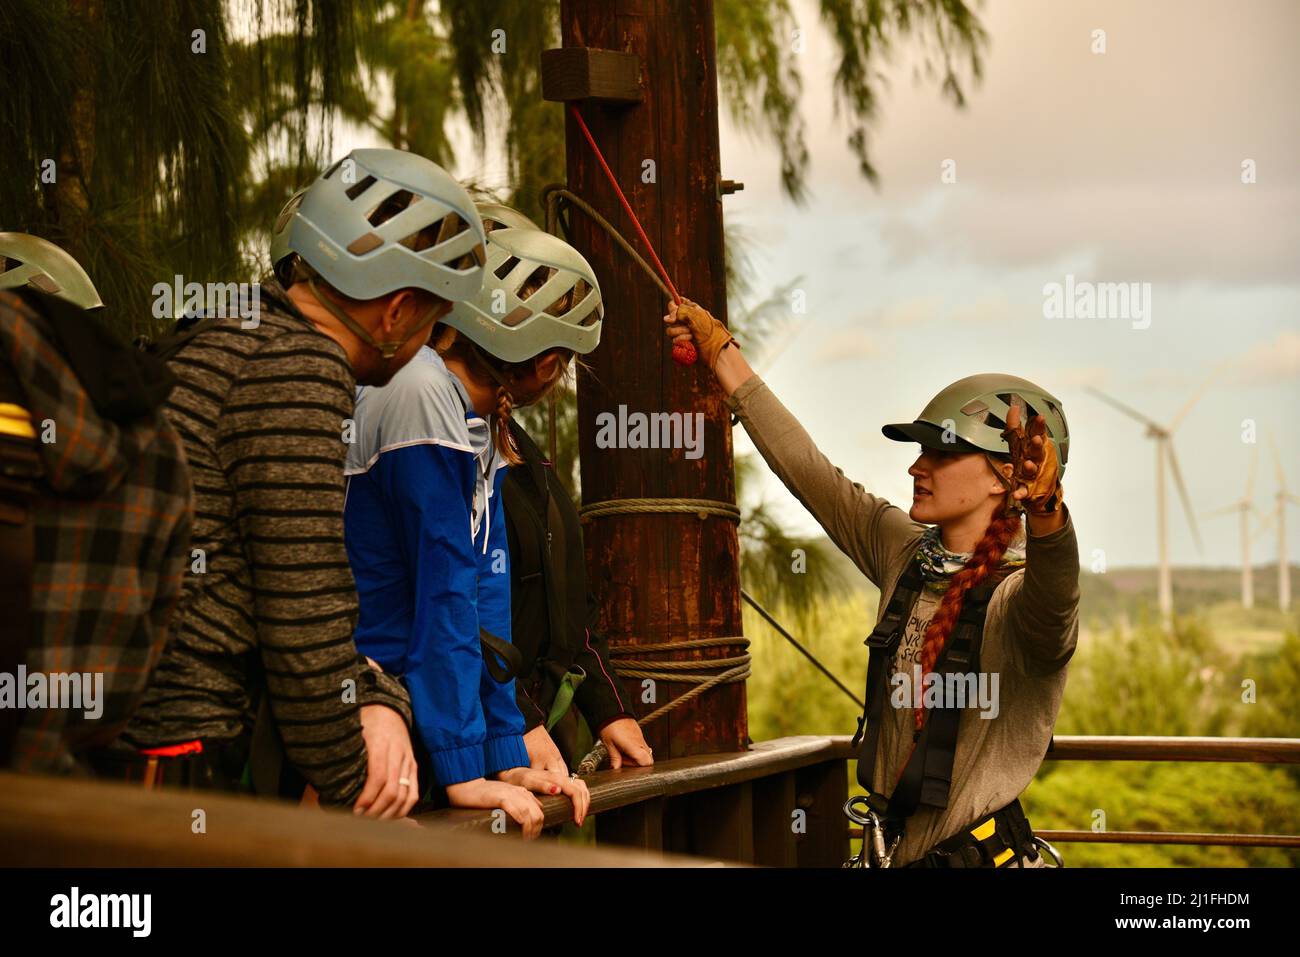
(950,486)
(532,386)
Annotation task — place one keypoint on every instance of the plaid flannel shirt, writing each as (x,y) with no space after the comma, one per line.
(112,534)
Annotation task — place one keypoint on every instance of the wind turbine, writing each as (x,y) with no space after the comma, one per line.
(1244,507)
(1163,435)
(1282,499)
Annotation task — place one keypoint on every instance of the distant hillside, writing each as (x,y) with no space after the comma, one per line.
(1128,594)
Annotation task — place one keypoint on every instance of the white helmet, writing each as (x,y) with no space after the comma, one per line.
(498,216)
(525,306)
(353,226)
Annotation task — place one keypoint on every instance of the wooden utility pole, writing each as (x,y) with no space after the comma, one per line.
(659,577)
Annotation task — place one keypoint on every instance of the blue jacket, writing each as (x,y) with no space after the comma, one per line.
(427,542)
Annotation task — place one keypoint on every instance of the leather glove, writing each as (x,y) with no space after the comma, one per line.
(1036,466)
(710,336)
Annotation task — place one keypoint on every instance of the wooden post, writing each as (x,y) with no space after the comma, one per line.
(658,577)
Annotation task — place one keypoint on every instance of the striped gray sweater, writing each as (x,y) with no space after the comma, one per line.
(262,413)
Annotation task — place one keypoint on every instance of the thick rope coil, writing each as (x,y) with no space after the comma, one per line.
(735,669)
(702,507)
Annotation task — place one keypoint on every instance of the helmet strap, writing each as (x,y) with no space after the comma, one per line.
(1011,504)
(387,349)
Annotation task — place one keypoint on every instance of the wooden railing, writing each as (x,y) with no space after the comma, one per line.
(739,807)
(745,807)
(60,822)
(778,804)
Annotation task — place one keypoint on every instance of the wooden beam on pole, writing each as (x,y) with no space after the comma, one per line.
(585,74)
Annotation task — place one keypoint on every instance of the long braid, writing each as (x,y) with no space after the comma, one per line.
(446,341)
(984,560)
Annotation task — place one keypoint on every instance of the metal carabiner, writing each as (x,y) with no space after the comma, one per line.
(1055,854)
(880,856)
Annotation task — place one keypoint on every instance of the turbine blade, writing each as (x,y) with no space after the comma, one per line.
(1182,413)
(1182,493)
(1127,410)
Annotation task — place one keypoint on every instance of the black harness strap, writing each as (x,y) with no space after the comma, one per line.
(927,777)
(882,644)
(503,659)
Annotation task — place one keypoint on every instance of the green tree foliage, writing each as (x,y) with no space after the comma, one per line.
(1145,680)
(148,132)
(1150,796)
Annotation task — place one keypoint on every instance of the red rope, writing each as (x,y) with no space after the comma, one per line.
(609,174)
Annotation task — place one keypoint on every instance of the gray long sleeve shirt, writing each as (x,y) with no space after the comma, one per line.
(1030,630)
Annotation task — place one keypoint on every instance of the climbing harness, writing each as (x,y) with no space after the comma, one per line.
(926,777)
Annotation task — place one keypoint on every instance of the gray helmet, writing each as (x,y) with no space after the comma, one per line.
(497,216)
(513,321)
(280,250)
(970,415)
(32,261)
(355,225)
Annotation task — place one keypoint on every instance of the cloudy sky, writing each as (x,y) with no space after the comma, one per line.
(1117,167)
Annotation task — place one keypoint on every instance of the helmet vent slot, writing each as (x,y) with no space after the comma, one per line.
(504,269)
(1014,398)
(391,206)
(535,281)
(356,189)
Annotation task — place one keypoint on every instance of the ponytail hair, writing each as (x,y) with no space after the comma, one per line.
(984,560)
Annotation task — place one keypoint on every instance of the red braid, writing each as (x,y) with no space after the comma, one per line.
(984,560)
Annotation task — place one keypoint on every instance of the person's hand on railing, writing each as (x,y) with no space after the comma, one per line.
(392,787)
(625,742)
(551,784)
(524,809)
(543,755)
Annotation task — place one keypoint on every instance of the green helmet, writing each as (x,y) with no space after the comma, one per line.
(515,316)
(27,260)
(497,216)
(970,415)
(355,227)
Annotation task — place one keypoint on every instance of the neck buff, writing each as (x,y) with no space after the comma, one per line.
(938,564)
